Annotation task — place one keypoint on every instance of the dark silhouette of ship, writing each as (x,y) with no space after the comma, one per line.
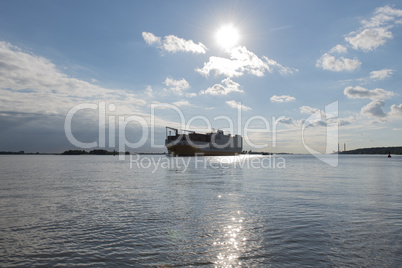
(190,143)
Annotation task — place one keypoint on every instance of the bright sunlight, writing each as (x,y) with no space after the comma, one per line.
(227,36)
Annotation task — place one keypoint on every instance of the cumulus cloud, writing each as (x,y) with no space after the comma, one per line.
(33,84)
(345,121)
(150,38)
(282,69)
(308,110)
(237,105)
(177,86)
(338,49)
(329,62)
(383,16)
(375,31)
(381,74)
(174,44)
(242,61)
(369,39)
(286,121)
(374,76)
(221,66)
(225,88)
(190,95)
(396,110)
(182,103)
(317,120)
(148,91)
(282,98)
(363,93)
(374,108)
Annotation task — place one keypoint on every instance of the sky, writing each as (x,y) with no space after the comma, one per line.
(283,74)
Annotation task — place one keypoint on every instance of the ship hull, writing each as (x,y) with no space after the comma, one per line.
(188,150)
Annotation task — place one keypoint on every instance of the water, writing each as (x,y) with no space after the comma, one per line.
(291,211)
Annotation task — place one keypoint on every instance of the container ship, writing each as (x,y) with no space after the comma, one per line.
(190,143)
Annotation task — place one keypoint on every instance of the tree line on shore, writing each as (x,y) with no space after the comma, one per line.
(376,150)
(94,152)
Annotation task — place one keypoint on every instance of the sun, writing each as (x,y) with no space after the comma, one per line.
(227,36)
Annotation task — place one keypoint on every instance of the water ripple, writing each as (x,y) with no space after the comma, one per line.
(97,212)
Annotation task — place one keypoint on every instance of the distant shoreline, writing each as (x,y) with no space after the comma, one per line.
(78,152)
(374,150)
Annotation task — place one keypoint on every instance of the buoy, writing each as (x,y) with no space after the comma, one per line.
(389,154)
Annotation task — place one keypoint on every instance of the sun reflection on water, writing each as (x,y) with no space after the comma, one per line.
(226,159)
(230,244)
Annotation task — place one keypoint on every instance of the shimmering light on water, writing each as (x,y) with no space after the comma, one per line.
(295,211)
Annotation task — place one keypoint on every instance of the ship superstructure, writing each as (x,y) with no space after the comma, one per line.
(190,143)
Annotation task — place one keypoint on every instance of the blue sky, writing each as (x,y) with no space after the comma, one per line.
(292,58)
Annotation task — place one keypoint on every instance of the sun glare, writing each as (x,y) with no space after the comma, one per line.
(227,36)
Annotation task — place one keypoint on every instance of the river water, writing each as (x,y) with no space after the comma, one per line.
(158,211)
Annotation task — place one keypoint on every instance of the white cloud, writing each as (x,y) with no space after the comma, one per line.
(177,86)
(363,93)
(34,90)
(219,89)
(190,95)
(382,16)
(374,108)
(32,84)
(381,74)
(282,98)
(182,103)
(150,38)
(345,121)
(375,31)
(242,61)
(329,62)
(374,75)
(377,21)
(174,44)
(148,91)
(249,62)
(222,66)
(237,105)
(313,121)
(282,69)
(286,121)
(338,49)
(308,110)
(369,39)
(396,110)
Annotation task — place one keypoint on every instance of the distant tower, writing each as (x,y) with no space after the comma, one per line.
(344,147)
(338,147)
